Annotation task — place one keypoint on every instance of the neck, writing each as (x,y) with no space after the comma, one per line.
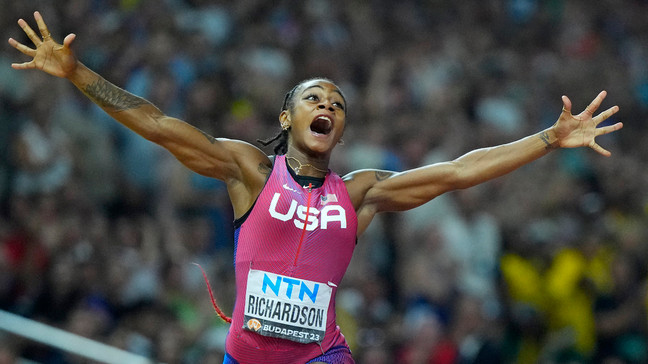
(304,166)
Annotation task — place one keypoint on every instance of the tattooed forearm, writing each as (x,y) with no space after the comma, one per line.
(107,95)
(545,138)
(383,175)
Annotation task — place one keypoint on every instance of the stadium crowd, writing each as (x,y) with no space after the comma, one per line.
(99,228)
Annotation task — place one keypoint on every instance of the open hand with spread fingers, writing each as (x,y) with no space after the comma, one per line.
(581,130)
(48,56)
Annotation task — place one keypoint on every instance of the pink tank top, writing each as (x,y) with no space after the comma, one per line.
(291,253)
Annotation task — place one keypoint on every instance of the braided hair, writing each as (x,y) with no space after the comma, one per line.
(289,104)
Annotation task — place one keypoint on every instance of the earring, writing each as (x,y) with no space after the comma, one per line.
(285,126)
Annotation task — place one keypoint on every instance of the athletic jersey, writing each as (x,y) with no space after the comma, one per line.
(288,267)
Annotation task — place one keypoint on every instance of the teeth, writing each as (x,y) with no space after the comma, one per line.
(324,118)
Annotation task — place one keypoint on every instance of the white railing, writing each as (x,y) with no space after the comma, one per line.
(67,341)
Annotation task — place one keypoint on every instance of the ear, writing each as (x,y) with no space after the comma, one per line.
(284,119)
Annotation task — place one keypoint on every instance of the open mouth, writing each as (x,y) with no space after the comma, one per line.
(321,125)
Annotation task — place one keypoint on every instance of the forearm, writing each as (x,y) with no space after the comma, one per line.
(200,152)
(130,110)
(485,164)
(410,189)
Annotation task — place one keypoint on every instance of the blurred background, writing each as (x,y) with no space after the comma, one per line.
(99,228)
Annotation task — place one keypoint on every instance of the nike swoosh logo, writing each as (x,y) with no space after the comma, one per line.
(289,188)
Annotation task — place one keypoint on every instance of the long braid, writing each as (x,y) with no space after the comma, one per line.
(220,313)
(282,137)
(282,146)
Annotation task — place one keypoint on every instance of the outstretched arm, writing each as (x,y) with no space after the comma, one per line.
(375,191)
(235,162)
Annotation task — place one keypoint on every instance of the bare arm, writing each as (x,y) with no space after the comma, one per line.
(376,191)
(200,152)
(241,165)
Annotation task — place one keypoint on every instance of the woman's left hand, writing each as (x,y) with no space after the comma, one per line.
(581,130)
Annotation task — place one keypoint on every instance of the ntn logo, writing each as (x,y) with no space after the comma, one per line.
(284,286)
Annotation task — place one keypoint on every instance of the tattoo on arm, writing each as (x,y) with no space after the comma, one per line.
(210,138)
(264,169)
(545,138)
(383,175)
(107,95)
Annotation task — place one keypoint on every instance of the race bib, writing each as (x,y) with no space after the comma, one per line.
(286,307)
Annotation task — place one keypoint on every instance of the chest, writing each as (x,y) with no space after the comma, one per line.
(294,228)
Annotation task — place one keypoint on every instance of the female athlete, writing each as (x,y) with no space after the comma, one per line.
(296,220)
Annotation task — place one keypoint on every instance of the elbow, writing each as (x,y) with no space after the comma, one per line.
(157,131)
(459,177)
(156,137)
(464,183)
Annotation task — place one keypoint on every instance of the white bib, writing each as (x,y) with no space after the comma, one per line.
(286,307)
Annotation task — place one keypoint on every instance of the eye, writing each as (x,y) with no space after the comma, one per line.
(312,97)
(339,105)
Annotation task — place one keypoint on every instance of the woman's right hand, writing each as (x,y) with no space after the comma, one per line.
(48,56)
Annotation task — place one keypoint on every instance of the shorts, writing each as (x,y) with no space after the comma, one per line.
(335,355)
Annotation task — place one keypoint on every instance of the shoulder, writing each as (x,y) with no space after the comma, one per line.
(360,182)
(247,156)
(251,169)
(367,176)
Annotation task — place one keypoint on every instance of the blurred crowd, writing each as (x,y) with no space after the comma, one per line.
(99,228)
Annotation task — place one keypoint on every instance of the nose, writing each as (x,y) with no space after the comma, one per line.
(325,104)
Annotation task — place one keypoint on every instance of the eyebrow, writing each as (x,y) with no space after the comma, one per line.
(320,87)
